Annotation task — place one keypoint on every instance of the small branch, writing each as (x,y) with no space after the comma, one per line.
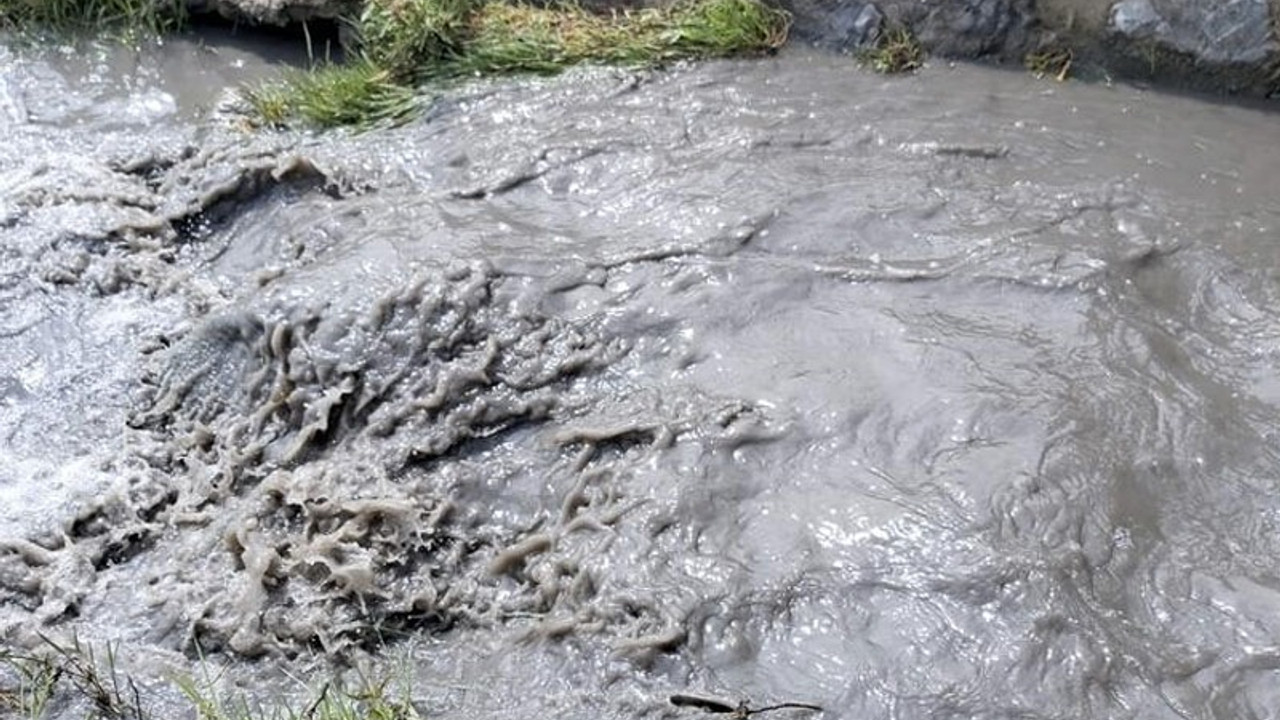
(739,711)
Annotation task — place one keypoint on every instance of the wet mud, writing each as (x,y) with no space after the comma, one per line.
(942,396)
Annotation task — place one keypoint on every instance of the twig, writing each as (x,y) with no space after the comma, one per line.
(711,706)
(311,711)
(739,711)
(783,706)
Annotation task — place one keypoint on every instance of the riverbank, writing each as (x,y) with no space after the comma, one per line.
(1218,46)
(401,46)
(1224,46)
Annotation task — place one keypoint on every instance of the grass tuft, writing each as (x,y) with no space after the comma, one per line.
(406,42)
(29,683)
(1051,62)
(130,17)
(367,700)
(92,675)
(507,39)
(361,95)
(896,51)
(717,28)
(403,35)
(514,38)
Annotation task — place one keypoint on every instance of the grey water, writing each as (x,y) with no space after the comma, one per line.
(942,396)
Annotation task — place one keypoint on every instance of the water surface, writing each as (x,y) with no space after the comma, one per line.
(950,395)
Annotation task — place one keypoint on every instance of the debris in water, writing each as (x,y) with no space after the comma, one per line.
(741,710)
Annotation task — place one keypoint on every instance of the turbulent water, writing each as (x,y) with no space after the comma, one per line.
(946,396)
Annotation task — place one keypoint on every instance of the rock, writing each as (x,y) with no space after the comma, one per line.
(951,28)
(969,28)
(1136,18)
(1226,32)
(973,28)
(273,12)
(834,24)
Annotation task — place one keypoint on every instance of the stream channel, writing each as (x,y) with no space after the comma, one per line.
(952,395)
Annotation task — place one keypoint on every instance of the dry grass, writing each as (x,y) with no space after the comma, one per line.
(35,678)
(73,670)
(366,701)
(896,51)
(525,38)
(1051,62)
(27,683)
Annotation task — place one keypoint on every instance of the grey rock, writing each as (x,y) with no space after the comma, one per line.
(1136,18)
(954,28)
(273,12)
(835,24)
(1225,32)
(967,28)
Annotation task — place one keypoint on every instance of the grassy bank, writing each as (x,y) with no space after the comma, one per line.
(403,44)
(400,45)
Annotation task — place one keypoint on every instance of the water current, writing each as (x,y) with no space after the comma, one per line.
(944,396)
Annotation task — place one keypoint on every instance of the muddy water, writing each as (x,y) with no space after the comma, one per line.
(942,396)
